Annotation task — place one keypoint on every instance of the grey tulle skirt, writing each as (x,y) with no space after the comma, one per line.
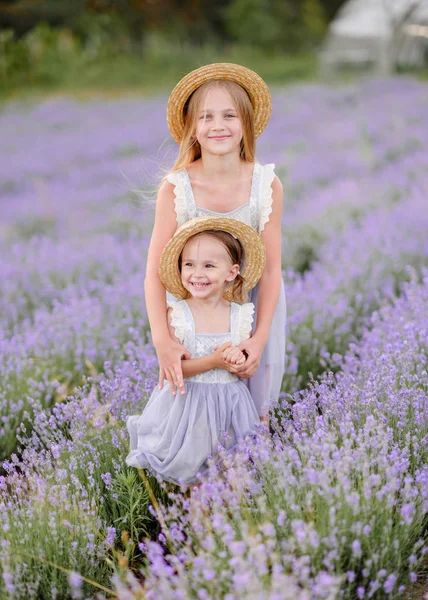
(175,435)
(265,385)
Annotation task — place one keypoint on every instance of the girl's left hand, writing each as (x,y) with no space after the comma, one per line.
(233,356)
(253,349)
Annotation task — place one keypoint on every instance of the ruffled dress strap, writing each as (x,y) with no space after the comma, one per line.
(241,321)
(254,203)
(265,195)
(185,208)
(180,321)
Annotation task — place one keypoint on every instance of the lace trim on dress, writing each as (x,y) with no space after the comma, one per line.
(180,203)
(245,321)
(254,197)
(266,195)
(178,320)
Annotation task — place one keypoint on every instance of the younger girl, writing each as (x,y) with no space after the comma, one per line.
(203,263)
(215,113)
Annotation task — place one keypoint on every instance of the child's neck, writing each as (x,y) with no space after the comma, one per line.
(210,315)
(207,304)
(212,166)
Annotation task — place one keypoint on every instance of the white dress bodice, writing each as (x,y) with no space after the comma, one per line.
(255,212)
(203,344)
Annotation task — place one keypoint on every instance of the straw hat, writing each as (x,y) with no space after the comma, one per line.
(255,256)
(252,83)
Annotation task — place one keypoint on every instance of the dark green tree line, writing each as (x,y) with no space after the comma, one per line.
(269,24)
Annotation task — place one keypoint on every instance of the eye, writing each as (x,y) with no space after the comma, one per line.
(204,117)
(208,266)
(187,264)
(230,116)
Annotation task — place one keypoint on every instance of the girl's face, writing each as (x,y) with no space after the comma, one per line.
(206,267)
(218,129)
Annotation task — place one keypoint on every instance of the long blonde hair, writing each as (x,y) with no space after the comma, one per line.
(190,150)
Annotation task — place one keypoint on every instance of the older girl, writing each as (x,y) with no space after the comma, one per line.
(215,114)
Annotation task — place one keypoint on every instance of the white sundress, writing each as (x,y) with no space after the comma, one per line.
(265,385)
(175,435)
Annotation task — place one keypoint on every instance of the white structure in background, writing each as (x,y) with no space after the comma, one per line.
(378,33)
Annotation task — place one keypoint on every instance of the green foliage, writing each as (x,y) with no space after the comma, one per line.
(48,533)
(41,56)
(314,19)
(127,509)
(276,25)
(104,58)
(125,44)
(252,20)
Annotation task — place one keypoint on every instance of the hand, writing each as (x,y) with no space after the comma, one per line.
(253,349)
(170,354)
(217,357)
(233,356)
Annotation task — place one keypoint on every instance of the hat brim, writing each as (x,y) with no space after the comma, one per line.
(255,254)
(252,83)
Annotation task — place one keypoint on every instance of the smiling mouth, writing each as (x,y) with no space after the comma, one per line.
(199,286)
(220,137)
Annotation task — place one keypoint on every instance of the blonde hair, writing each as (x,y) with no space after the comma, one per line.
(236,253)
(190,150)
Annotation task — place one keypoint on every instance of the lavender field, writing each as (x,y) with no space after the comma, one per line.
(335,503)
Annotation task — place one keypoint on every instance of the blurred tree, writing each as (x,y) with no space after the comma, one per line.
(23,15)
(194,20)
(276,25)
(272,25)
(253,22)
(331,7)
(314,19)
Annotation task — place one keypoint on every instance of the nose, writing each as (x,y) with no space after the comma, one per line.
(218,123)
(198,272)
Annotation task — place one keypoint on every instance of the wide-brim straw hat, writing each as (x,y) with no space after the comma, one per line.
(252,83)
(255,254)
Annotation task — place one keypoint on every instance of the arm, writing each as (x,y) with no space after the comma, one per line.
(271,280)
(169,351)
(269,286)
(194,366)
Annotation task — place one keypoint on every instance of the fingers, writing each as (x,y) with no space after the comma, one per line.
(246,373)
(223,347)
(170,367)
(178,380)
(233,355)
(247,365)
(161,377)
(170,379)
(248,369)
(226,354)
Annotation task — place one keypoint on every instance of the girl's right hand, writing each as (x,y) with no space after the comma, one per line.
(170,354)
(234,356)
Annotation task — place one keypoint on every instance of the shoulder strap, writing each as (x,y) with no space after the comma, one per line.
(182,200)
(234,323)
(265,207)
(242,321)
(189,324)
(255,197)
(189,196)
(178,320)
